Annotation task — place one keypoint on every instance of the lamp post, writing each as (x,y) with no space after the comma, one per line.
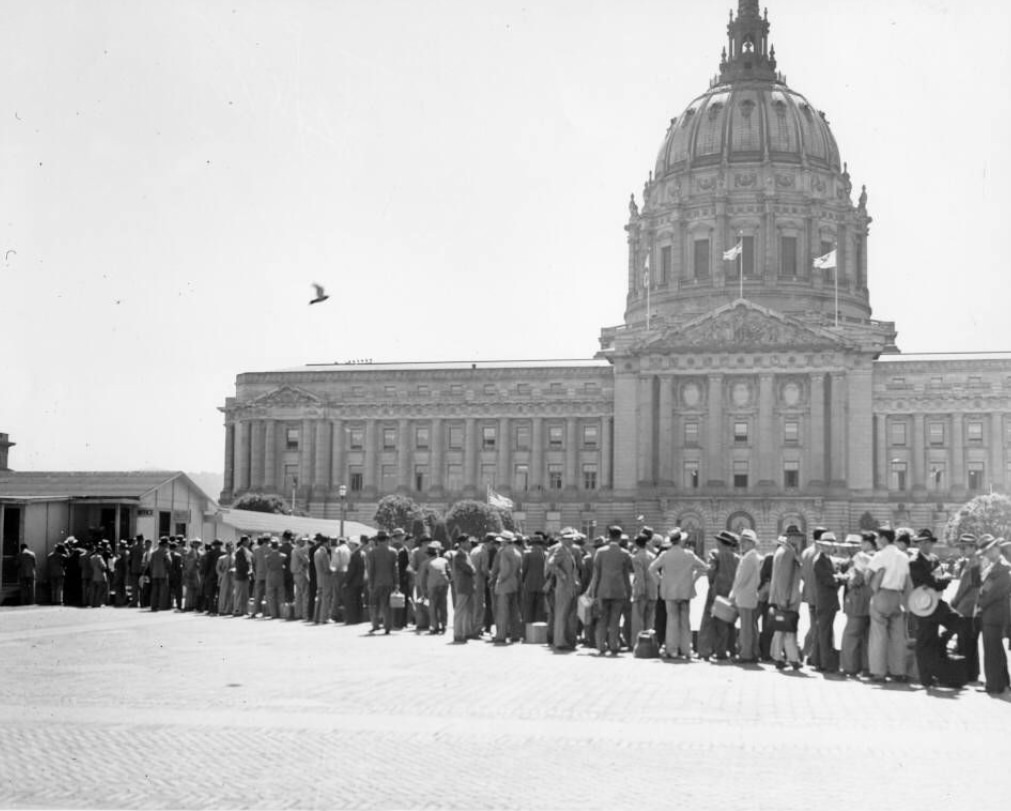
(294,485)
(342,491)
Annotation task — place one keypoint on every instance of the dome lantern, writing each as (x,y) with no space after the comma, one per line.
(748,54)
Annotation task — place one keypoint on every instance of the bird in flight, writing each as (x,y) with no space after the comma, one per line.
(320,294)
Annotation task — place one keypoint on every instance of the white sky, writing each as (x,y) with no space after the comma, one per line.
(173,175)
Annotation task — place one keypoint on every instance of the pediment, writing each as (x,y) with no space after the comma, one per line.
(287,396)
(743,326)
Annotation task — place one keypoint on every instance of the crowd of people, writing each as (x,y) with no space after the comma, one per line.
(610,593)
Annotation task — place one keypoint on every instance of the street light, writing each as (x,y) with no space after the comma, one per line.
(342,491)
(294,484)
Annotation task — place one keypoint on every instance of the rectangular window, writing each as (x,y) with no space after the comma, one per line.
(788,257)
(589,477)
(488,475)
(591,388)
(701,265)
(454,477)
(424,391)
(422,438)
(898,433)
(389,481)
(691,434)
(489,389)
(556,439)
(899,476)
(740,433)
(456,390)
(665,265)
(791,475)
(291,436)
(389,439)
(937,479)
(591,437)
(748,257)
(936,382)
(975,476)
(974,432)
(556,389)
(522,442)
(791,432)
(455,437)
(421,478)
(554,477)
(357,391)
(692,475)
(521,478)
(975,382)
(356,438)
(740,475)
(356,479)
(489,434)
(935,433)
(523,389)
(390,391)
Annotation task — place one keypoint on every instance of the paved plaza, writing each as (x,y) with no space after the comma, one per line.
(119,708)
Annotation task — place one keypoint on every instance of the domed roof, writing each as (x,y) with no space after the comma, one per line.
(748,121)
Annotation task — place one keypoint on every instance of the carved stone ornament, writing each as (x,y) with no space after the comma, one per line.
(742,326)
(706,183)
(691,394)
(287,396)
(791,393)
(741,393)
(746,181)
(818,184)
(785,181)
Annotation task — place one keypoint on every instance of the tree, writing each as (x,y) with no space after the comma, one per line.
(396,511)
(262,503)
(506,517)
(984,514)
(474,518)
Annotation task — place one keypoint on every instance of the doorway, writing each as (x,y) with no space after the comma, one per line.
(10,545)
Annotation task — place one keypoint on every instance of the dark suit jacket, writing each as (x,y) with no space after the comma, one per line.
(826,589)
(355,578)
(924,570)
(612,572)
(533,568)
(993,605)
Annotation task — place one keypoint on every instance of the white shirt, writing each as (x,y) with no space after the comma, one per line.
(895,563)
(340,559)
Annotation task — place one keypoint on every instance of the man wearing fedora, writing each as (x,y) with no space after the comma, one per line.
(744,594)
(784,596)
(994,612)
(964,602)
(715,635)
(823,656)
(857,607)
(382,577)
(505,580)
(678,568)
(464,582)
(925,573)
(611,587)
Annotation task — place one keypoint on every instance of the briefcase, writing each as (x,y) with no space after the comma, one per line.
(646,646)
(397,600)
(782,620)
(584,609)
(724,610)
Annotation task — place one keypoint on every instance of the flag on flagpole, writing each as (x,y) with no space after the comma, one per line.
(499,501)
(645,272)
(734,252)
(826,262)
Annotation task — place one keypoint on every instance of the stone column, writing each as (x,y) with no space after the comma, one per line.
(665,439)
(338,460)
(242,456)
(404,454)
(860,435)
(571,452)
(504,449)
(256,428)
(537,453)
(305,456)
(769,237)
(918,475)
(371,456)
(881,466)
(270,457)
(716,432)
(815,439)
(436,455)
(324,441)
(229,483)
(606,464)
(997,474)
(646,440)
(837,430)
(958,478)
(766,443)
(470,453)
(625,441)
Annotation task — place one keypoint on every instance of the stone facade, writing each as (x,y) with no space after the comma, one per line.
(750,391)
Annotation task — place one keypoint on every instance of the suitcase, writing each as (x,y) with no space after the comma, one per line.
(537,633)
(646,646)
(953,671)
(421,613)
(724,610)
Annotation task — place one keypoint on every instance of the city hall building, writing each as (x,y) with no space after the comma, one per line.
(755,390)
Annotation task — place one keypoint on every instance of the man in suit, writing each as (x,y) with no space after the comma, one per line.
(159,568)
(243,571)
(506,570)
(324,581)
(715,635)
(678,568)
(744,594)
(644,588)
(826,606)
(299,567)
(808,589)
(563,568)
(532,573)
(611,586)
(925,572)
(481,558)
(383,577)
(994,612)
(857,607)
(964,602)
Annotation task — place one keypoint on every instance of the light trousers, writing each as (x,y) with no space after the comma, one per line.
(886,648)
(679,628)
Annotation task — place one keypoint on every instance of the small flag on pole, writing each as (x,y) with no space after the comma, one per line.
(734,252)
(499,501)
(826,262)
(645,272)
